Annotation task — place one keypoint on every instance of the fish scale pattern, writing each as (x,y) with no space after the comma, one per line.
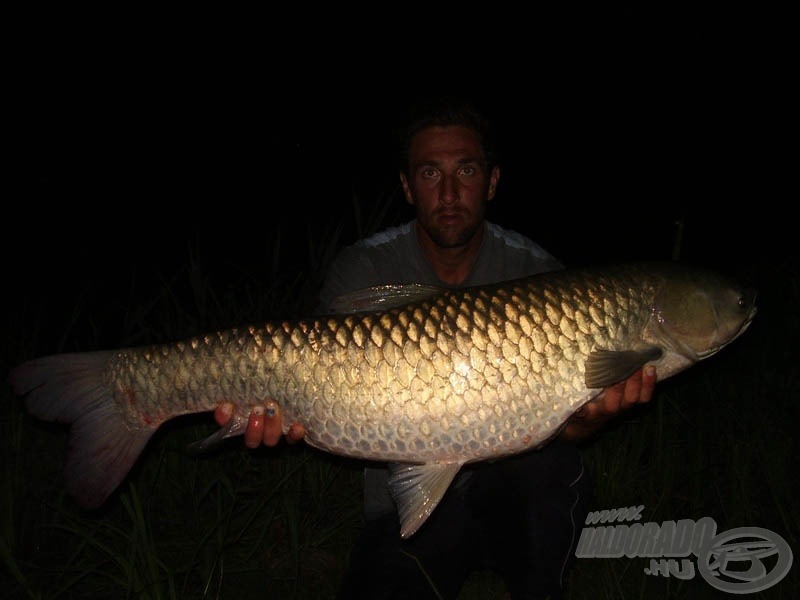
(450,378)
(481,372)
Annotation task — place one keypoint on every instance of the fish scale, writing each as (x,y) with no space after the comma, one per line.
(430,379)
(473,341)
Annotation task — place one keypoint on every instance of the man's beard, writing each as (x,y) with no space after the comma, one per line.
(447,237)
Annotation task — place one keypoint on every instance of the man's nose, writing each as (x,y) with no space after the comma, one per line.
(449,193)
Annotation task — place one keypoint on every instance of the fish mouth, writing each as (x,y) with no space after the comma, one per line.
(747,322)
(742,328)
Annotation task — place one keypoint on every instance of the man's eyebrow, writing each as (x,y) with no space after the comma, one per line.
(435,163)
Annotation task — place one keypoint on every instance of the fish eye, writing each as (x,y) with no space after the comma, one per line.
(745,300)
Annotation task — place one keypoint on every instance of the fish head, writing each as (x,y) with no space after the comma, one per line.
(699,312)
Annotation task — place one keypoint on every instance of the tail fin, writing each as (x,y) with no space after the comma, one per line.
(103,445)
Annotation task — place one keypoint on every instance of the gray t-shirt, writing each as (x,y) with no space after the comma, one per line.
(395,256)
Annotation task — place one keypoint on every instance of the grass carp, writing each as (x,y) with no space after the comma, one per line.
(425,379)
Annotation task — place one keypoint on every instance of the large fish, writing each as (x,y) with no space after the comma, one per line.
(429,381)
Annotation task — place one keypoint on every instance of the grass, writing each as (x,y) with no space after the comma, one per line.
(717,441)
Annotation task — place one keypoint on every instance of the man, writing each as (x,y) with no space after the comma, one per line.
(519,516)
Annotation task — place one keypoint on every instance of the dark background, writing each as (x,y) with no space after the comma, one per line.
(140,153)
(167,177)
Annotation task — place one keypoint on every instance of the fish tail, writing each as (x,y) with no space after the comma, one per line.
(103,444)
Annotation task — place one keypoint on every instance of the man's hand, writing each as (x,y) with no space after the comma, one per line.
(263,426)
(637,389)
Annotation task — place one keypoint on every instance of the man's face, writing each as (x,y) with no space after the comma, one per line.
(448,183)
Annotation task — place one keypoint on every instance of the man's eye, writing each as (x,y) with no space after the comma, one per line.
(429,173)
(468,170)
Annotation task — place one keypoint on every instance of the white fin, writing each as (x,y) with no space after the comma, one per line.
(237,425)
(417,489)
(103,445)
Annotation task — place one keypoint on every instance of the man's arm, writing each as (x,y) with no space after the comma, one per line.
(637,389)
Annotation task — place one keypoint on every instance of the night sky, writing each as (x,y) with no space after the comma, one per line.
(125,164)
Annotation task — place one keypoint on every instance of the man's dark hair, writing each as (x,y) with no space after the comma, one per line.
(444,111)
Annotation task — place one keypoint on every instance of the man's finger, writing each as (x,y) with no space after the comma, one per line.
(255,427)
(612,399)
(633,390)
(649,379)
(296,433)
(272,424)
(223,413)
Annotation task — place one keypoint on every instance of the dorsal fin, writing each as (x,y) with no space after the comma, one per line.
(383,297)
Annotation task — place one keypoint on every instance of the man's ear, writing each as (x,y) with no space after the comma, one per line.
(494,177)
(406,190)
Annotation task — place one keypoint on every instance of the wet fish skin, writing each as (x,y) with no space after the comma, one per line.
(449,378)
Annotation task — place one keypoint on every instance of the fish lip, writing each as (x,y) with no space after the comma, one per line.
(744,326)
(748,321)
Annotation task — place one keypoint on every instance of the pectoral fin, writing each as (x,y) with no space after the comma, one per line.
(417,489)
(607,367)
(237,425)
